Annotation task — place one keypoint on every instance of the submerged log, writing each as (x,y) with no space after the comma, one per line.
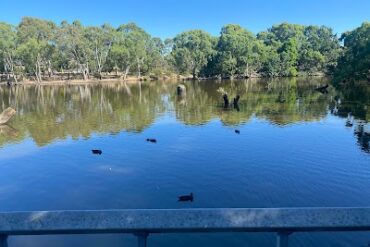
(6,115)
(226,100)
(236,103)
(181,90)
(323,88)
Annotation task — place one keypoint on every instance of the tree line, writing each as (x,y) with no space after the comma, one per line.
(40,49)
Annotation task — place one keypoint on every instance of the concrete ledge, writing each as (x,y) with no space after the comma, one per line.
(185,220)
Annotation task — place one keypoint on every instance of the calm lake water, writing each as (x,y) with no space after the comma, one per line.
(297,148)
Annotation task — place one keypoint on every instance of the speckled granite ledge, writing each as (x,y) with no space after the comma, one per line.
(185,220)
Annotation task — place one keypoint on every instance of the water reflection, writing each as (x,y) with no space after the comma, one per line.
(48,113)
(353,103)
(281,102)
(285,127)
(8,132)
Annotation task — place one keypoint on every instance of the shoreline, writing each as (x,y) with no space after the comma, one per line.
(135,80)
(129,80)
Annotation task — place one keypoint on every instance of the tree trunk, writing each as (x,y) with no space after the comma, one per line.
(138,70)
(247,71)
(50,71)
(139,61)
(98,59)
(126,72)
(85,71)
(38,69)
(9,66)
(7,72)
(194,74)
(116,69)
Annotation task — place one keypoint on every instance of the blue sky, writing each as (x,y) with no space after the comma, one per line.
(165,18)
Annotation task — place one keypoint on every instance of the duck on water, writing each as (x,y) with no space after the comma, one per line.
(186,198)
(96,151)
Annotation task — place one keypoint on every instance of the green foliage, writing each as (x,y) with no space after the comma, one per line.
(34,28)
(72,45)
(321,48)
(7,37)
(135,40)
(236,50)
(29,52)
(7,43)
(307,49)
(133,48)
(192,51)
(99,41)
(289,58)
(38,46)
(355,63)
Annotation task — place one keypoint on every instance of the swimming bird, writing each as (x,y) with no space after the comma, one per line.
(237,131)
(186,198)
(96,151)
(151,140)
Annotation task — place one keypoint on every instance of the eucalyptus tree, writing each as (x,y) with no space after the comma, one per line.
(7,50)
(167,46)
(73,45)
(119,56)
(155,60)
(35,38)
(271,65)
(287,39)
(135,39)
(289,58)
(99,40)
(168,56)
(192,50)
(300,48)
(355,62)
(321,50)
(31,54)
(238,51)
(129,49)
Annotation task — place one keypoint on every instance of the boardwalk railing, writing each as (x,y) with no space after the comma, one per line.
(283,221)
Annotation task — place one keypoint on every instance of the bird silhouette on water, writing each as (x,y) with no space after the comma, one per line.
(186,198)
(97,151)
(151,140)
(237,131)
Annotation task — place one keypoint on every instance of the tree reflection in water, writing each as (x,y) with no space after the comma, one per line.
(46,113)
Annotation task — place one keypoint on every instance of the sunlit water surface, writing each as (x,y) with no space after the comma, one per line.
(297,148)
